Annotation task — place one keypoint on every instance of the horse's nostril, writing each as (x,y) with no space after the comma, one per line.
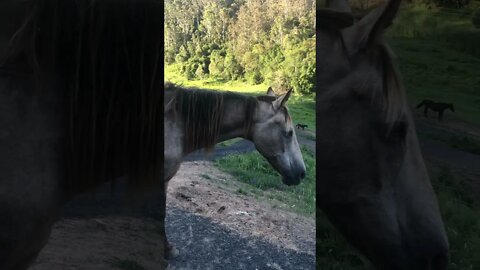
(302,175)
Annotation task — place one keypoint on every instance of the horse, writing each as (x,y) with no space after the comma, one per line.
(198,119)
(80,104)
(372,180)
(439,107)
(301,126)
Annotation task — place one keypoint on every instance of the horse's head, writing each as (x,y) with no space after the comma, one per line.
(373,183)
(274,137)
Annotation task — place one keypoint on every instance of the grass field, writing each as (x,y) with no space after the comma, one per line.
(439,55)
(431,71)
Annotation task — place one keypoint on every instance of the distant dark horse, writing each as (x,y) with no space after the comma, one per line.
(80,103)
(439,107)
(301,126)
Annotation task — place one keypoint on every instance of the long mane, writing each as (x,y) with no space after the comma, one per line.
(202,112)
(104,57)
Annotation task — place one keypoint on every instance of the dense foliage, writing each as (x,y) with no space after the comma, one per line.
(260,41)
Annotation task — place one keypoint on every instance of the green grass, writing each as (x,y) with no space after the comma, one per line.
(439,55)
(460,211)
(125,264)
(301,108)
(254,170)
(172,74)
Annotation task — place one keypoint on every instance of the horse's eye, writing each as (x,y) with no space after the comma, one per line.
(289,134)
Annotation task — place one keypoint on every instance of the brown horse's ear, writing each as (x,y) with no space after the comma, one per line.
(281,100)
(370,29)
(270,92)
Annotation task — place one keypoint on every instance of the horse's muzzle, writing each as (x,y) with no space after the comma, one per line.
(294,178)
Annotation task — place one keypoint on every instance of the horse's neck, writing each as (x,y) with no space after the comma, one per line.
(234,121)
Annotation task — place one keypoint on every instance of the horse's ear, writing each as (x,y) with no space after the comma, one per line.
(270,92)
(281,100)
(370,29)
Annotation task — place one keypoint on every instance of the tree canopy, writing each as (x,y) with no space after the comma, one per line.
(260,41)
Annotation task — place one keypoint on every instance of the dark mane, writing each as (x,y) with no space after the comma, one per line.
(104,57)
(202,112)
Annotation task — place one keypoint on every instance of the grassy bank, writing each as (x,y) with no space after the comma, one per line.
(255,171)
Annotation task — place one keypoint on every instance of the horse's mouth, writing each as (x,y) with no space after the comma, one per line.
(291,181)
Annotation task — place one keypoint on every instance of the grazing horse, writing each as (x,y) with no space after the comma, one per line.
(198,119)
(80,103)
(372,181)
(301,126)
(439,107)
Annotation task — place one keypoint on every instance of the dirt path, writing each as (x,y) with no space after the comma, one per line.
(246,233)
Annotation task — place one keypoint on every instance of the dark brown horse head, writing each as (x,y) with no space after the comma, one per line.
(373,183)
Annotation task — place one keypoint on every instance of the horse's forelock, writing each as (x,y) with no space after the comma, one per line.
(391,96)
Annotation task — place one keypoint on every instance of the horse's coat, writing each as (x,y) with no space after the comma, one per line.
(196,119)
(372,181)
(80,104)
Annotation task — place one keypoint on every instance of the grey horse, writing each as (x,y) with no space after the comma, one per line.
(198,119)
(372,181)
